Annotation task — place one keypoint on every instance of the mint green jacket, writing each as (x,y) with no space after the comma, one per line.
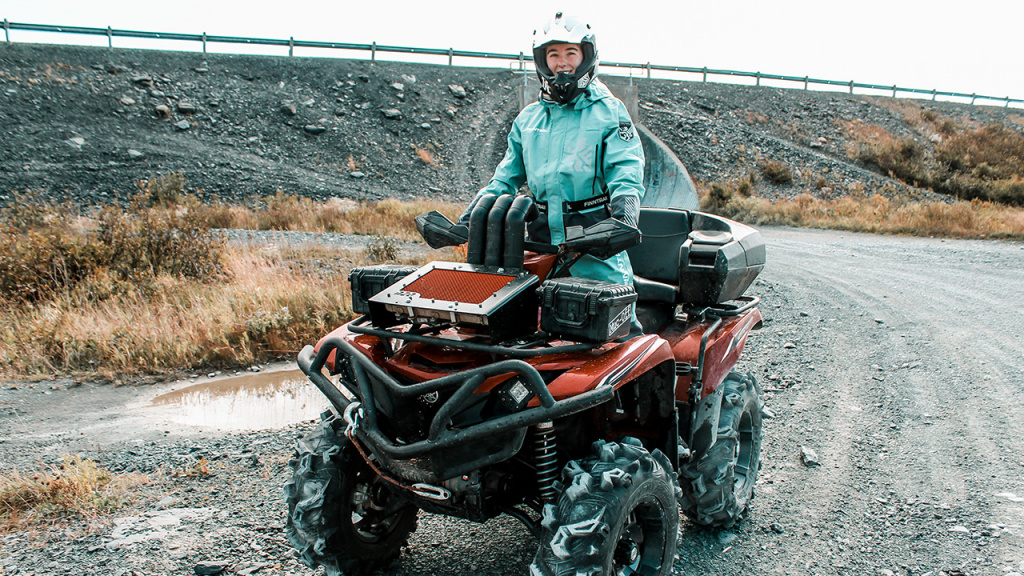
(572,152)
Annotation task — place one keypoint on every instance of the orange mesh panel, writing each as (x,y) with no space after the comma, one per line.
(458,286)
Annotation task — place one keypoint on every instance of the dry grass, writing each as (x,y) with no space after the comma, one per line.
(78,488)
(426,155)
(877,214)
(153,290)
(46,251)
(776,172)
(289,212)
(272,303)
(966,162)
(264,310)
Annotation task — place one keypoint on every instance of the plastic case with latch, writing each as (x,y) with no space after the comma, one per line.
(585,310)
(368,281)
(719,260)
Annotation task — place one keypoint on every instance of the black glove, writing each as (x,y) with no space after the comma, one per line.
(438,231)
(602,240)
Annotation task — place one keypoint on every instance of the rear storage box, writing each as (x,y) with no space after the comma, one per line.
(719,260)
(709,258)
(369,280)
(585,310)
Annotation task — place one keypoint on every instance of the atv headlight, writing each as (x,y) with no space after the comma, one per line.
(514,395)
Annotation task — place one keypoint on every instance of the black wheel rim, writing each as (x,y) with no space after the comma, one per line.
(746,466)
(373,509)
(641,544)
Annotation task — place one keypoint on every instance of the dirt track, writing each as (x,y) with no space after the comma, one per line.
(896,360)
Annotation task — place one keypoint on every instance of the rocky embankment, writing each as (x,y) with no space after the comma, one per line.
(86,124)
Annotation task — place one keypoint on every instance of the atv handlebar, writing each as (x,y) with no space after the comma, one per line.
(601,240)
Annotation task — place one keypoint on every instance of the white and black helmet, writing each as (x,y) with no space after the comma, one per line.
(562,87)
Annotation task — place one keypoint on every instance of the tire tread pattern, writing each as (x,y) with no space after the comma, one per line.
(710,494)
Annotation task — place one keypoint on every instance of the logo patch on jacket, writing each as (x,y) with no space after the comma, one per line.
(626,130)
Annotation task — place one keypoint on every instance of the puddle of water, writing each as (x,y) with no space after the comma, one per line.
(250,402)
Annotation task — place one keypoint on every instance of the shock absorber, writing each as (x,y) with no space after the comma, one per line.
(545,456)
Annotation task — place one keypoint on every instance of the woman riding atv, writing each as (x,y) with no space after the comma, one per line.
(575,148)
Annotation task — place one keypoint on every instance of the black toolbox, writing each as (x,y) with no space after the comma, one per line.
(585,310)
(368,281)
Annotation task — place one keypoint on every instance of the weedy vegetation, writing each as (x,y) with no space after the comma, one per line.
(77,488)
(968,163)
(874,213)
(777,172)
(155,289)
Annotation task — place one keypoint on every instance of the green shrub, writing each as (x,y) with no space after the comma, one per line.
(717,198)
(746,186)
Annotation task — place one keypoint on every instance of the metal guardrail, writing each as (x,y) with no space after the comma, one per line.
(451,53)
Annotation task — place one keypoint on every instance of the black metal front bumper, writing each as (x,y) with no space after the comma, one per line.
(447,451)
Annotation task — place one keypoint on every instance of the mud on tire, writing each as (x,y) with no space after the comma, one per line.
(341,515)
(719,484)
(617,514)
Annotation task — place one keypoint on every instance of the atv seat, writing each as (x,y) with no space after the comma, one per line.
(656,259)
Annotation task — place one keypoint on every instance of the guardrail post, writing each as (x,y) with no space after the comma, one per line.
(204,42)
(705,74)
(373,52)
(934,92)
(291,46)
(973,97)
(522,62)
(451,51)
(807,80)
(110,37)
(1007,102)
(851,86)
(758,76)
(893,90)
(648,70)
(7,30)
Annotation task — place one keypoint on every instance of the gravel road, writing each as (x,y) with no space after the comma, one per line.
(895,361)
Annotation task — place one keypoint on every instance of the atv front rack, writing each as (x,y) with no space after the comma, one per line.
(487,442)
(358,327)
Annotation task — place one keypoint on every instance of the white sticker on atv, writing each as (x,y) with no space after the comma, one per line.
(619,320)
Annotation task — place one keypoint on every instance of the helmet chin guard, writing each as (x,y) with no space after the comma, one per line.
(562,87)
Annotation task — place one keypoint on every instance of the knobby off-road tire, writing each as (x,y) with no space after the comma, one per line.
(719,484)
(341,514)
(617,515)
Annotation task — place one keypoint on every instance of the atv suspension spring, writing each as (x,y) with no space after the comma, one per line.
(545,455)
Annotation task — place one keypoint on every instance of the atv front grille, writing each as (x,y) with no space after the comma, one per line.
(458,286)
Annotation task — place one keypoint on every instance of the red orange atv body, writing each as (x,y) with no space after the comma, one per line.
(431,411)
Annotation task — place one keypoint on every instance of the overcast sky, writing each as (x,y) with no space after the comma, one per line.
(970,47)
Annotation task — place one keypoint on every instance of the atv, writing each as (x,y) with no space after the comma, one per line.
(502,385)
